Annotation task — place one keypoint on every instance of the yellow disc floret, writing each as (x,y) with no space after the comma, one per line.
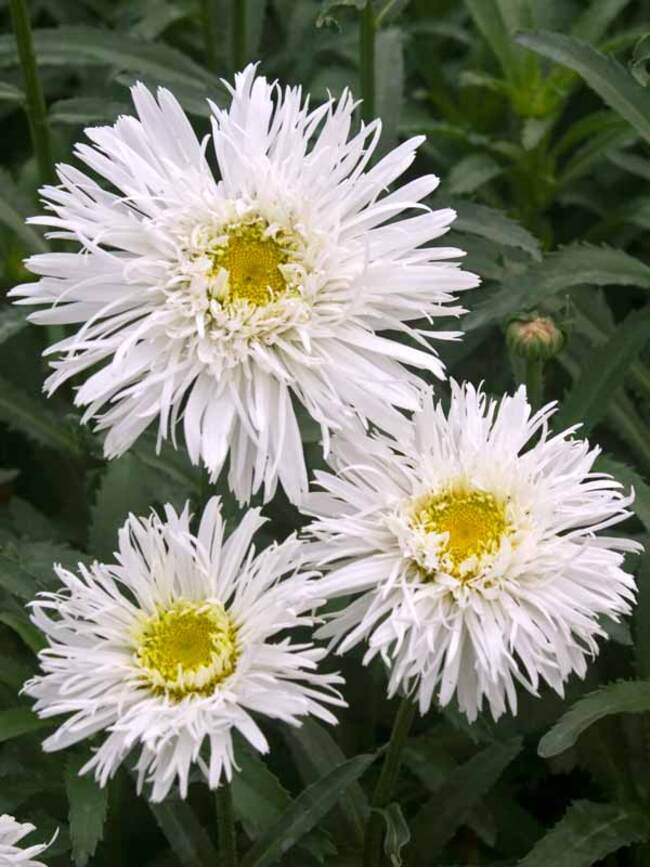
(252,259)
(474,521)
(188,648)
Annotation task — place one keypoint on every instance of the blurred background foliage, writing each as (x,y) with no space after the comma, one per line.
(537,118)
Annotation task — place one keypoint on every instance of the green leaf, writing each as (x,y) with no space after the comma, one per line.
(14,219)
(86,110)
(187,838)
(19,721)
(489,21)
(603,372)
(12,321)
(639,62)
(389,84)
(30,416)
(471,173)
(259,799)
(586,833)
(397,832)
(316,752)
(624,696)
(592,24)
(325,16)
(25,569)
(569,267)
(631,479)
(632,163)
(13,672)
(10,93)
(20,624)
(83,46)
(305,812)
(87,809)
(448,808)
(603,74)
(494,226)
(642,617)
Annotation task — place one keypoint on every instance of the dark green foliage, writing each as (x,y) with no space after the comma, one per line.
(537,118)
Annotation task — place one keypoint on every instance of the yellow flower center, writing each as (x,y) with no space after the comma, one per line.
(253,261)
(187,649)
(475,523)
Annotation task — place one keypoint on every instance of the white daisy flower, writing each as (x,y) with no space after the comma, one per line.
(172,649)
(216,302)
(473,547)
(11,833)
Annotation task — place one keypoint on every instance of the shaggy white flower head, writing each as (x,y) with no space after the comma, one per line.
(213,302)
(474,548)
(11,833)
(173,648)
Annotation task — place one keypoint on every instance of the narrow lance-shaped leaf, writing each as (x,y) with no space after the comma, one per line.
(571,266)
(631,696)
(305,812)
(440,817)
(604,74)
(30,416)
(19,721)
(603,372)
(187,838)
(586,833)
(87,808)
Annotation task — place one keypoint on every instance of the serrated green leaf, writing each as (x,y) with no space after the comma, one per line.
(571,266)
(448,808)
(31,417)
(305,812)
(632,696)
(586,833)
(603,74)
(87,809)
(19,721)
(603,372)
(471,173)
(494,226)
(27,568)
(316,752)
(187,838)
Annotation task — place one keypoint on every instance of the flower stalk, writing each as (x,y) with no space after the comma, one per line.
(35,105)
(226,826)
(386,782)
(367,32)
(238,25)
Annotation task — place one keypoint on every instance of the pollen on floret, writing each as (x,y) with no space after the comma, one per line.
(474,522)
(253,259)
(188,648)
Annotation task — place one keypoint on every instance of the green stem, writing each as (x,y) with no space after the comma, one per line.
(209,27)
(226,827)
(535,381)
(238,23)
(386,782)
(36,111)
(367,30)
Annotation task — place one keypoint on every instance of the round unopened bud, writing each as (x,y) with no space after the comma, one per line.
(535,336)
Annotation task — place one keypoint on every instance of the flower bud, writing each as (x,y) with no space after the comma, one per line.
(534,336)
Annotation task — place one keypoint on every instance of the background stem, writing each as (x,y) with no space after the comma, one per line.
(367,31)
(226,827)
(36,111)
(386,782)
(209,26)
(535,381)
(238,24)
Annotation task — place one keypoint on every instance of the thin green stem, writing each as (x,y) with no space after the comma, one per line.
(209,27)
(36,111)
(367,30)
(238,25)
(386,782)
(535,381)
(226,827)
